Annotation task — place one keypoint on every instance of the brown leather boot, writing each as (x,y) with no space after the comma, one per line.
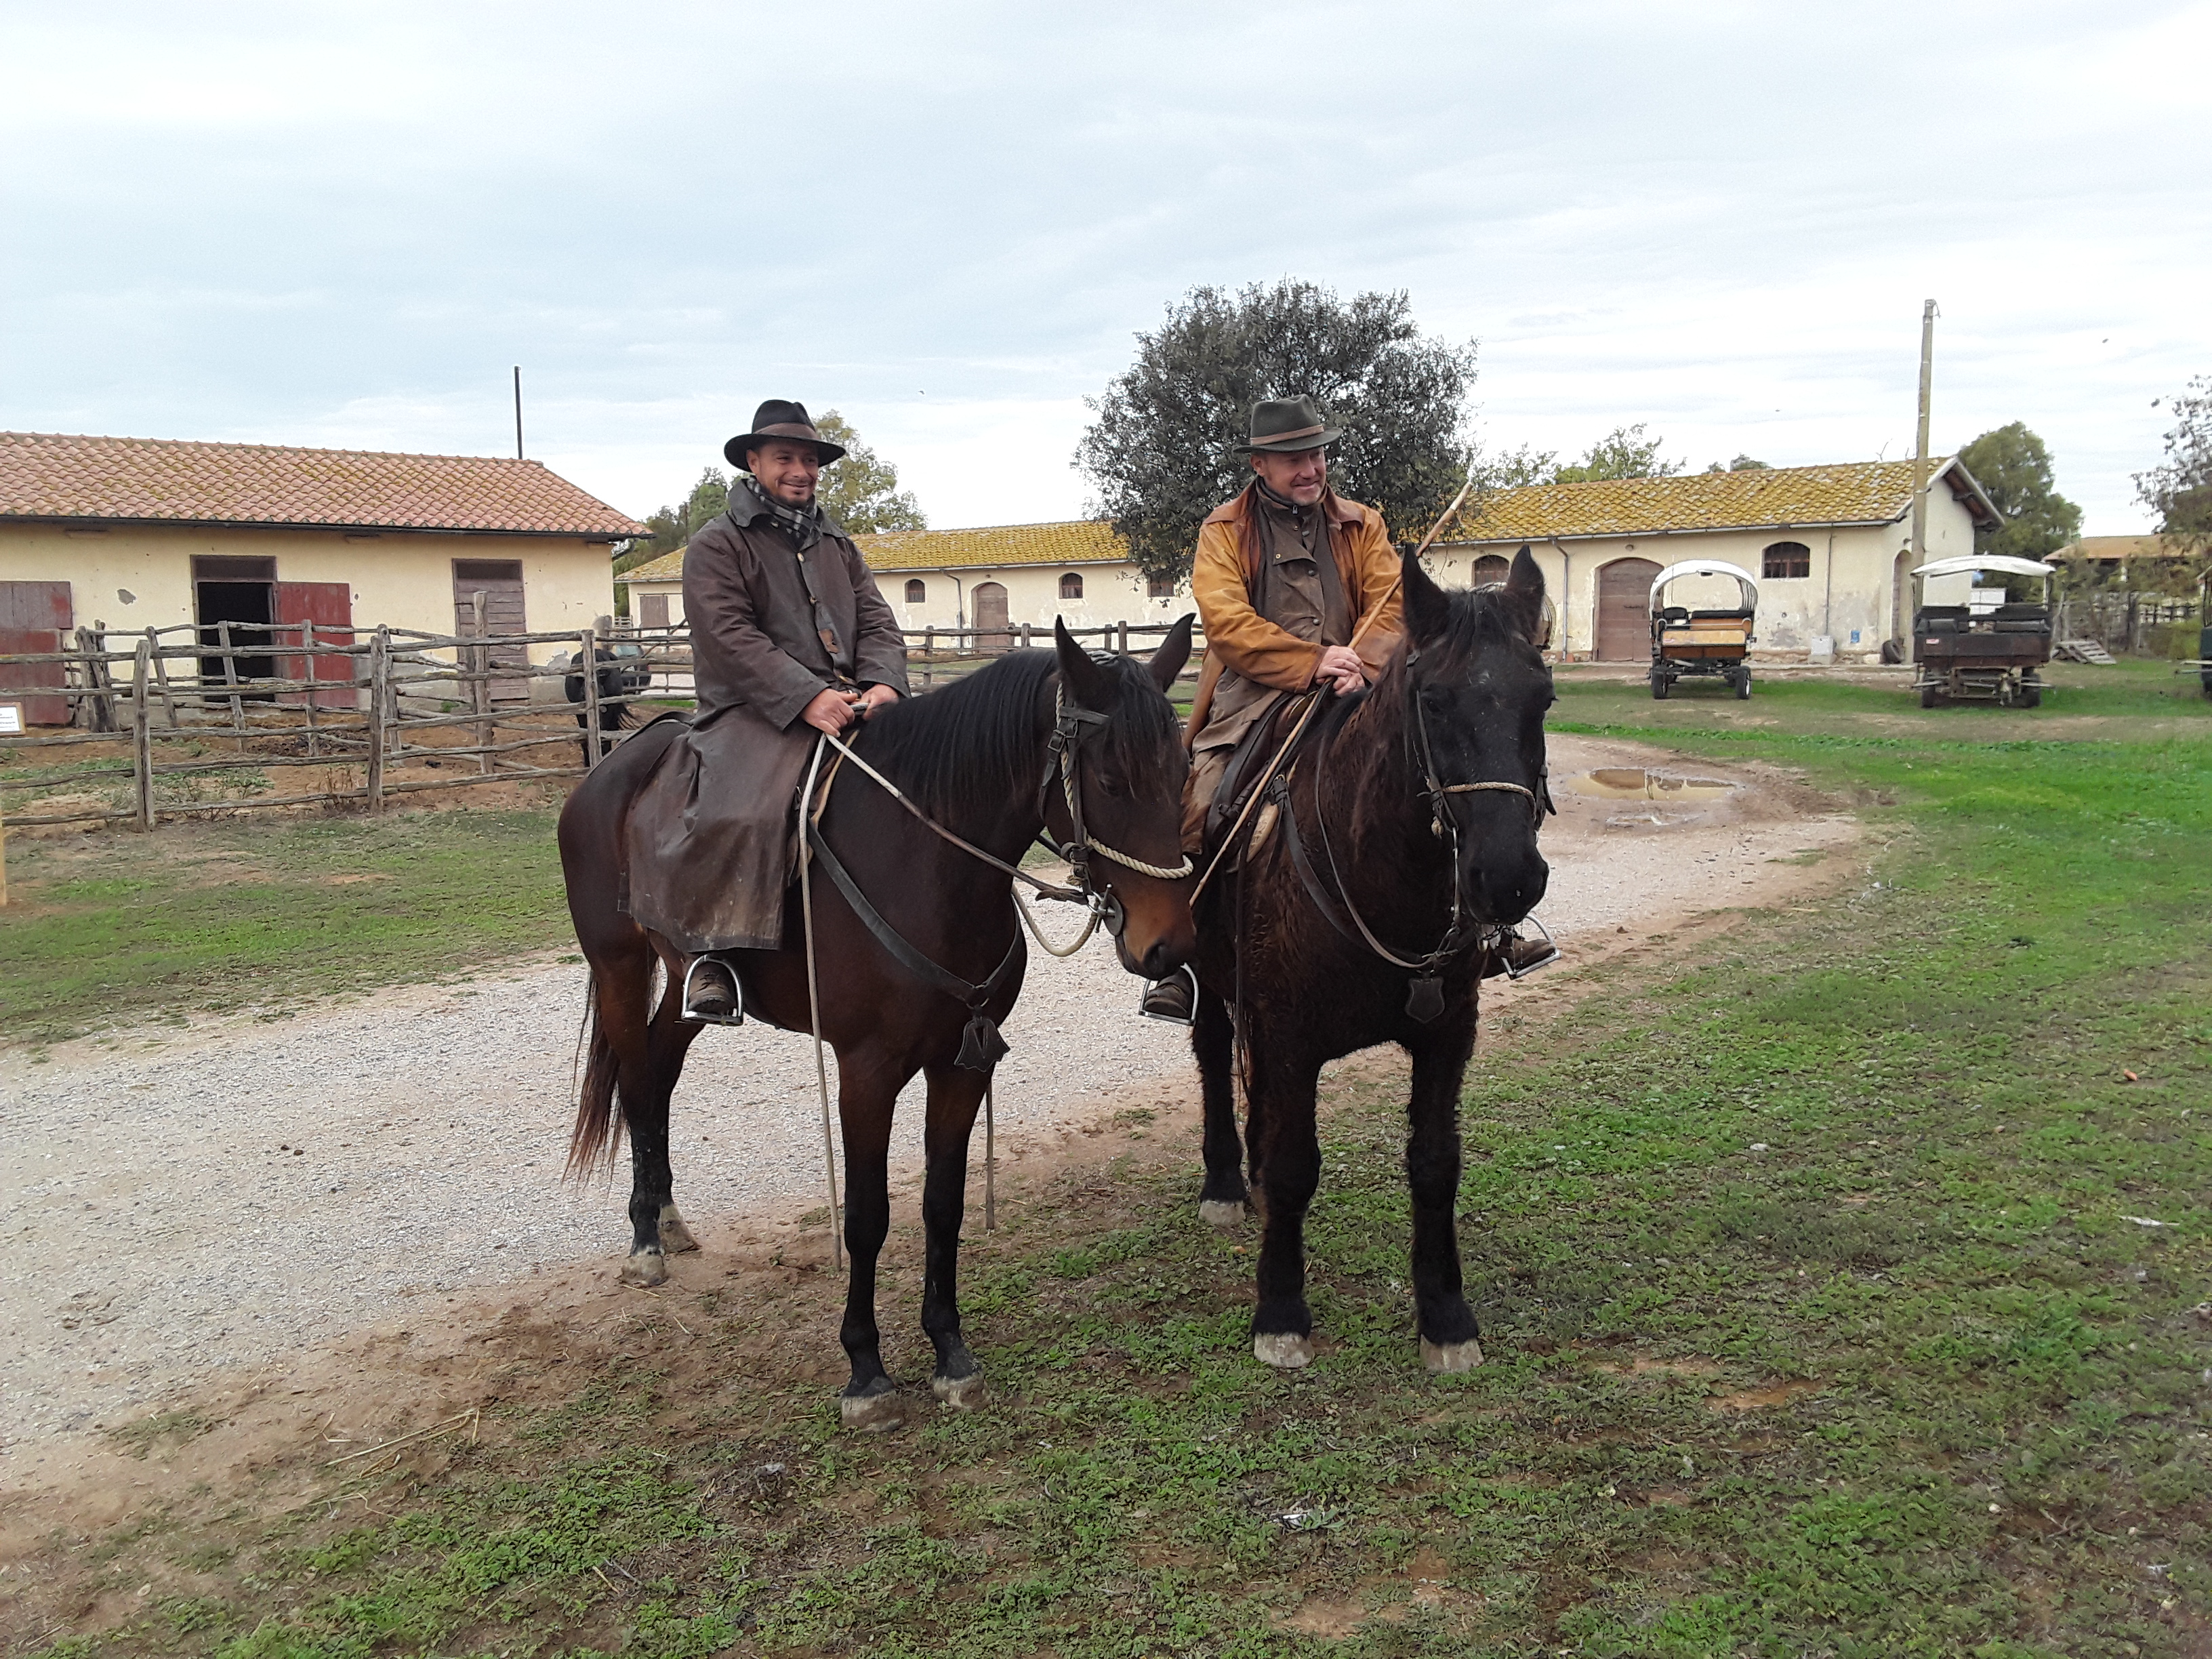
(710,993)
(1519,957)
(1172,998)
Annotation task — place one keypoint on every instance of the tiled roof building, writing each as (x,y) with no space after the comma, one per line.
(51,476)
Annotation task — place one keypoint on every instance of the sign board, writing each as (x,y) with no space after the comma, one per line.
(11,720)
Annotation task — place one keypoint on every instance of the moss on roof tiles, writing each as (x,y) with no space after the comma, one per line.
(1857,492)
(1080,541)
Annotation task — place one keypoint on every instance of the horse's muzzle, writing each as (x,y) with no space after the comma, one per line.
(1511,889)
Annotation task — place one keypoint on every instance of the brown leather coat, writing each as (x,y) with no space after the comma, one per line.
(1249,653)
(711,852)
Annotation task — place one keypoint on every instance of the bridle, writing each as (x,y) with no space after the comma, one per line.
(1425,995)
(1073,726)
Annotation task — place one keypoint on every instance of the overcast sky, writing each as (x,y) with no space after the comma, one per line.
(340,225)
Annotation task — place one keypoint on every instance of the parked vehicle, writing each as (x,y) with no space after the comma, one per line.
(1990,655)
(1686,642)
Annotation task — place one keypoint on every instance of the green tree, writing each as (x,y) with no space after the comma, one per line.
(673,526)
(861,491)
(2013,467)
(2179,488)
(1741,463)
(1626,451)
(1158,449)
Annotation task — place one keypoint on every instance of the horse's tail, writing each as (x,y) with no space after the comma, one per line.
(599,1128)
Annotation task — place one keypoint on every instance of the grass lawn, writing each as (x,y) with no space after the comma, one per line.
(1824,1311)
(119,928)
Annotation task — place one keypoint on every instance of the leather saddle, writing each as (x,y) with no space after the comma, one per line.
(1245,775)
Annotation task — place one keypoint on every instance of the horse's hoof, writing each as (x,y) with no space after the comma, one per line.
(959,1394)
(675,1236)
(1442,1357)
(1222,1214)
(645,1269)
(1286,1351)
(871,1414)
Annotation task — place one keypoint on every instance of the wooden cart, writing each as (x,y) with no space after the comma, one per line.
(1961,655)
(1686,643)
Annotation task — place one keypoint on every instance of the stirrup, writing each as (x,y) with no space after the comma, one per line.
(736,1017)
(1182,976)
(1519,971)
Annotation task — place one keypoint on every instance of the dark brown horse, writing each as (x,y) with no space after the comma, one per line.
(981,758)
(1406,826)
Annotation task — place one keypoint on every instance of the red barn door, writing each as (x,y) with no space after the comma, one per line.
(34,616)
(329,605)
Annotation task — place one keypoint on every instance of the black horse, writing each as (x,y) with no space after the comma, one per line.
(616,684)
(1403,843)
(983,759)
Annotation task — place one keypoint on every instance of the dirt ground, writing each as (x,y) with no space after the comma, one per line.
(297,1240)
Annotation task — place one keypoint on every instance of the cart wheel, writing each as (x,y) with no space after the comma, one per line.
(2031,696)
(1743,686)
(1929,695)
(1661,684)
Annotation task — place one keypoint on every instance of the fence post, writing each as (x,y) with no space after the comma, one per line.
(307,673)
(230,678)
(380,691)
(141,732)
(161,674)
(1025,636)
(480,682)
(928,654)
(589,660)
(1125,639)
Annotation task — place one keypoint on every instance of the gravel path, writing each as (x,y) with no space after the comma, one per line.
(178,1201)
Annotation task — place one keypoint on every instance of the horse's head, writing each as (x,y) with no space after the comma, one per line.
(1129,770)
(1479,689)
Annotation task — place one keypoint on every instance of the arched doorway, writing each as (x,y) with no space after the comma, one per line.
(992,634)
(1624,610)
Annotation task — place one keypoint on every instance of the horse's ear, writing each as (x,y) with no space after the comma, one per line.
(1085,681)
(1175,651)
(1428,612)
(1524,595)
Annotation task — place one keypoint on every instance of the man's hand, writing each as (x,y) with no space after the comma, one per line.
(875,697)
(1341,667)
(831,711)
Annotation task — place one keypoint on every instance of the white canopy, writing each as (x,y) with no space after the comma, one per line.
(1705,568)
(2011,565)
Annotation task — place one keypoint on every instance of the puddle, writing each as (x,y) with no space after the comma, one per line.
(1633,783)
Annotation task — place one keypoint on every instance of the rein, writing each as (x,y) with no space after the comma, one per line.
(980,1046)
(1425,995)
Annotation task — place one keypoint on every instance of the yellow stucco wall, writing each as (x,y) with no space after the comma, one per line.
(1850,595)
(403,578)
(1111,593)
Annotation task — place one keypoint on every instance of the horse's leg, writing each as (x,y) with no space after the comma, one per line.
(645,1087)
(670,1039)
(1282,1090)
(865,1099)
(1450,1339)
(954,1094)
(1222,1199)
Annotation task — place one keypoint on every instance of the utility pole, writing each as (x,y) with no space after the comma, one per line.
(1923,405)
(1920,451)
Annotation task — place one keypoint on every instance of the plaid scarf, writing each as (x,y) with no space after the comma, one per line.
(802,524)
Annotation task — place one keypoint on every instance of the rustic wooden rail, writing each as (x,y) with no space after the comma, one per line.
(372,708)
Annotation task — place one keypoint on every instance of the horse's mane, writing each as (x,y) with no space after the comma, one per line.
(977,739)
(1476,620)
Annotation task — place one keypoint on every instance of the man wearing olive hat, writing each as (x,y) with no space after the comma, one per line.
(1286,572)
(789,637)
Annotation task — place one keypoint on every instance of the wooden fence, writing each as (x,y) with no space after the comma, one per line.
(191,721)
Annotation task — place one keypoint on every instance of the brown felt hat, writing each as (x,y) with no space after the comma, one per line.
(780,418)
(1284,426)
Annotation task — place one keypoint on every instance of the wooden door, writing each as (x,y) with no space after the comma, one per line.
(34,616)
(329,605)
(1624,610)
(499,580)
(992,633)
(653,610)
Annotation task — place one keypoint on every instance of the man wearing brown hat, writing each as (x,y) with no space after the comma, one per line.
(1286,573)
(789,637)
